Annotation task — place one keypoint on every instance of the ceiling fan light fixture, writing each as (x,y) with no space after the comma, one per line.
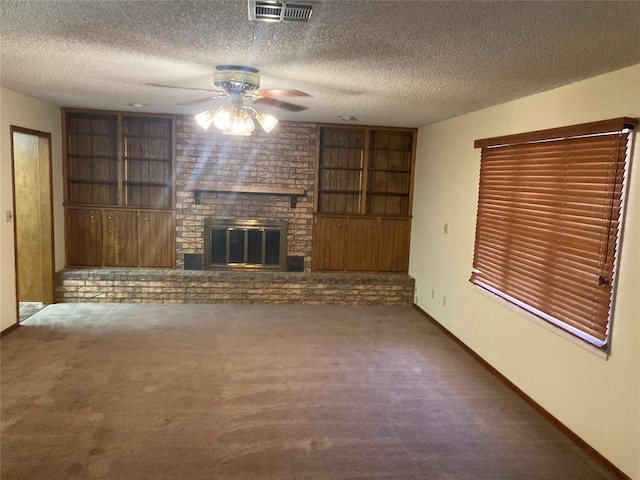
(236,120)
(266,121)
(205,119)
(222,118)
(240,122)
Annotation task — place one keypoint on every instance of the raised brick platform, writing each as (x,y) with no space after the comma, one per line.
(189,286)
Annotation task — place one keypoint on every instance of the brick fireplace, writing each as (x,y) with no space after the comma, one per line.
(250,167)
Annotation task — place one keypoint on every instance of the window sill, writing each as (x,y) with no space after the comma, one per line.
(604,354)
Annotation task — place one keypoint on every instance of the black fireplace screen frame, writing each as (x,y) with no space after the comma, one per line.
(240,239)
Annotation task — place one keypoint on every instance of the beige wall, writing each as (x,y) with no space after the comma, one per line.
(26,112)
(598,399)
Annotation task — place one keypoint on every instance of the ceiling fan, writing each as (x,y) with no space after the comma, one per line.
(243,80)
(241,83)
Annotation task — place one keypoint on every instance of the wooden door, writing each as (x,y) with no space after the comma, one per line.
(361,244)
(157,239)
(328,243)
(84,237)
(393,245)
(31,152)
(121,238)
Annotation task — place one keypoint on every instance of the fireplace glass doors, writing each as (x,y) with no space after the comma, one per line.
(245,244)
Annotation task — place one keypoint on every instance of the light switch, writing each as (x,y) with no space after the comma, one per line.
(9,216)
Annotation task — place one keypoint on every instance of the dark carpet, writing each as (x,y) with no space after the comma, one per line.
(262,392)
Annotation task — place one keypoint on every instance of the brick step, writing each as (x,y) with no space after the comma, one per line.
(196,286)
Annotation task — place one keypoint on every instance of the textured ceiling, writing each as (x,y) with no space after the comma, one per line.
(402,63)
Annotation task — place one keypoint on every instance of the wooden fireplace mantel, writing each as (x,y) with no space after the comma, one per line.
(200,188)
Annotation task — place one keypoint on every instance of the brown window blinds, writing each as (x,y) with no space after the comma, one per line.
(549,212)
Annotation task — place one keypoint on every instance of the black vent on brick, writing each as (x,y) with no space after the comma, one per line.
(279,11)
(295,263)
(193,261)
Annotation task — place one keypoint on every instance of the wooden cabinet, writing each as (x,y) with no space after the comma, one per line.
(328,243)
(394,236)
(157,239)
(120,238)
(365,184)
(119,189)
(120,245)
(84,237)
(361,244)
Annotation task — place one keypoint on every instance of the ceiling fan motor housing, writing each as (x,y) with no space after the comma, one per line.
(236,78)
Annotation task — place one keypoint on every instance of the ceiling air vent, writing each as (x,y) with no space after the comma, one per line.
(276,11)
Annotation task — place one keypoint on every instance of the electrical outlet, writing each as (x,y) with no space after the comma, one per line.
(446,228)
(444,301)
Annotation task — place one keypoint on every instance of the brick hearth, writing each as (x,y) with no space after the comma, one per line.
(189,286)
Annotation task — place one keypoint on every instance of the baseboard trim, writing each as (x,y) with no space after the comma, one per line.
(9,329)
(620,475)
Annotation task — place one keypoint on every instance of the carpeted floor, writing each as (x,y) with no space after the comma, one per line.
(262,392)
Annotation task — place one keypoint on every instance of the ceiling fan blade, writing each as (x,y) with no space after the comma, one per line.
(200,100)
(181,88)
(279,93)
(279,104)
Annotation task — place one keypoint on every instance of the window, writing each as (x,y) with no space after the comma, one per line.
(548,222)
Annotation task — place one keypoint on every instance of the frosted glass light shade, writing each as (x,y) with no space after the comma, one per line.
(236,120)
(205,119)
(240,123)
(266,121)
(222,118)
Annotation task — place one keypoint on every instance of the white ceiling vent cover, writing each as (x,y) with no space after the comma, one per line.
(276,11)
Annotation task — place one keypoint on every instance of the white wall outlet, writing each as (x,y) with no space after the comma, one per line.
(446,228)
(444,301)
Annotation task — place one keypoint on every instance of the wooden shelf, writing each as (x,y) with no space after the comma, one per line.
(351,169)
(139,183)
(347,192)
(389,170)
(147,159)
(199,188)
(92,180)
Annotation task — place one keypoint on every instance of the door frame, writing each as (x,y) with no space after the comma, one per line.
(41,135)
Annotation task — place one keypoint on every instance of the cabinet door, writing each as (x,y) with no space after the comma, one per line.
(157,239)
(84,237)
(361,244)
(328,243)
(121,238)
(393,245)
